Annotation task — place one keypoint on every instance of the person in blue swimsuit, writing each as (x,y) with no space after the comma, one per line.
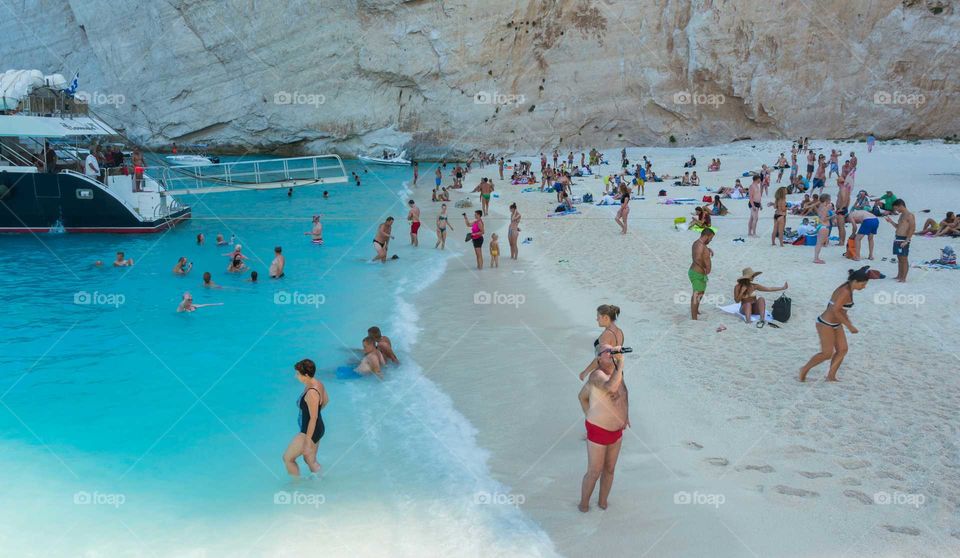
(313,399)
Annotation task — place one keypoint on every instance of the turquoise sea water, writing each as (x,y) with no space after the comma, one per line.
(127,429)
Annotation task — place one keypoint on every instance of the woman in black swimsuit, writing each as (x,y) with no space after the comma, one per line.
(833,341)
(779,216)
(313,399)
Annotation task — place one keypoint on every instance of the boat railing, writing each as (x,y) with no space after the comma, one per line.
(251,175)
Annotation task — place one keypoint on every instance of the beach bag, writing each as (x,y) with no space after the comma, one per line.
(851,248)
(588,198)
(469,237)
(706,199)
(662,193)
(781,309)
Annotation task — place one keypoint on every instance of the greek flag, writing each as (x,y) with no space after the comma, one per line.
(74,84)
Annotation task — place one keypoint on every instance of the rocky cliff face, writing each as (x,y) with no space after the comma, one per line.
(519,75)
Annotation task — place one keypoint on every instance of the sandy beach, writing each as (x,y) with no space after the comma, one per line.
(728,454)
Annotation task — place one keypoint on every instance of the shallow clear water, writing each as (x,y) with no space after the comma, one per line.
(136,430)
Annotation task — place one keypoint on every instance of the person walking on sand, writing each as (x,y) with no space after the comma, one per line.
(811,159)
(755,194)
(443,223)
(414,217)
(513,233)
(745,292)
(700,270)
(486,191)
(823,231)
(382,239)
(500,167)
(820,176)
(624,212)
(605,402)
(311,402)
(438,177)
(476,235)
(830,324)
(906,226)
(779,215)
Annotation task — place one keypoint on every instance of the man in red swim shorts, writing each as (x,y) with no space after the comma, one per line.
(414,218)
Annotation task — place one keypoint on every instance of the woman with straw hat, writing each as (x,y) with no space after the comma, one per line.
(745,291)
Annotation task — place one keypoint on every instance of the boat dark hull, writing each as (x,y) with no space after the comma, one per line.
(39,202)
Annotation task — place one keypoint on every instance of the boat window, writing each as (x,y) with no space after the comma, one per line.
(84,194)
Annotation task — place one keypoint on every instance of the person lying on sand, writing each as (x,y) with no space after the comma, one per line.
(947,227)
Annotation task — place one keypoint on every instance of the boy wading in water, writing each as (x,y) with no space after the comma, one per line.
(414,218)
(699,270)
(906,226)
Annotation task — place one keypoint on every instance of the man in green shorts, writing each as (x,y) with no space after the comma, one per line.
(699,270)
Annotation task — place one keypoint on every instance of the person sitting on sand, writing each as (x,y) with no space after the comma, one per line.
(694,179)
(691,163)
(182,267)
(830,324)
(714,165)
(122,261)
(605,403)
(370,363)
(701,218)
(745,291)
(806,228)
(947,227)
(718,208)
(685,181)
(809,208)
(803,203)
(863,201)
(884,204)
(383,344)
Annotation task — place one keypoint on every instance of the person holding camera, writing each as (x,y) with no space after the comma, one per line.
(476,235)
(183,266)
(604,400)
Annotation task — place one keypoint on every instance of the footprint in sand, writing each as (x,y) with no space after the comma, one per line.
(889,475)
(790,491)
(718,461)
(760,468)
(816,474)
(798,450)
(902,530)
(850,481)
(854,464)
(744,417)
(856,494)
(693,445)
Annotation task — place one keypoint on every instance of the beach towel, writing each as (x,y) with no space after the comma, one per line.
(562,213)
(528,190)
(735,310)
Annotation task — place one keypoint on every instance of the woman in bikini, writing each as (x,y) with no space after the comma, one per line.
(624,211)
(779,215)
(513,233)
(313,399)
(605,404)
(476,235)
(442,225)
(823,233)
(830,324)
(745,292)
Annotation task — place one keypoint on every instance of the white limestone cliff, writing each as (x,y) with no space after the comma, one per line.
(444,77)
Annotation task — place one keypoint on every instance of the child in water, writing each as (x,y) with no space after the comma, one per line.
(494,250)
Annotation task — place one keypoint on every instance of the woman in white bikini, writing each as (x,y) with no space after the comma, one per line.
(830,324)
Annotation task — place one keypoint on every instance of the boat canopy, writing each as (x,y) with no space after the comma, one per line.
(52,127)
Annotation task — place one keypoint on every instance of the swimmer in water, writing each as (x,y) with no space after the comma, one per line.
(311,403)
(208,281)
(370,363)
(253,277)
(317,231)
(220,240)
(183,267)
(200,239)
(383,344)
(326,194)
(187,305)
(236,264)
(121,261)
(98,263)
(278,263)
